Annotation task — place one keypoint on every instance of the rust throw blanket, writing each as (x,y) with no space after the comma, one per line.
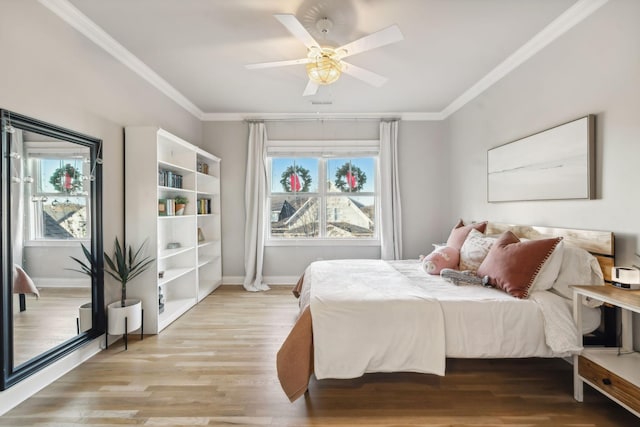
(22,283)
(295,358)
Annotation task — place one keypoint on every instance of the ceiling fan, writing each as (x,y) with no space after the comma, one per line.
(325,63)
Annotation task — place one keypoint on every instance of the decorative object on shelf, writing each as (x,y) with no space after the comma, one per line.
(350,178)
(200,235)
(125,265)
(203,168)
(173,245)
(161,299)
(162,207)
(181,204)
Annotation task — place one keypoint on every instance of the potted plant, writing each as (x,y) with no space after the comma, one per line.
(181,204)
(125,265)
(89,268)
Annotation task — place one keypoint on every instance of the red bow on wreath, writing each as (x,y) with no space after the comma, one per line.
(67,181)
(294,182)
(351,179)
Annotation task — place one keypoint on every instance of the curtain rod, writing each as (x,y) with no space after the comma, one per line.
(321,119)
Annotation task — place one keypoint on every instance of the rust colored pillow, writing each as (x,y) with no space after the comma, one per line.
(513,265)
(460,231)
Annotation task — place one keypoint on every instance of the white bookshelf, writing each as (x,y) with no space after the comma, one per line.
(186,268)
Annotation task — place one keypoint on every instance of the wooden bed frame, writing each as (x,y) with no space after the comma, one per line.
(600,244)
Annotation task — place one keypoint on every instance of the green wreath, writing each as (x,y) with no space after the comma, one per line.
(66,179)
(350,178)
(301,173)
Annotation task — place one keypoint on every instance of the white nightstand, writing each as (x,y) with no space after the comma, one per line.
(613,372)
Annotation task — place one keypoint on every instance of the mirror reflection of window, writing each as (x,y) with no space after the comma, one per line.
(58,194)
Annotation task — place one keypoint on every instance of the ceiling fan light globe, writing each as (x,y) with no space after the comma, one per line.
(324,70)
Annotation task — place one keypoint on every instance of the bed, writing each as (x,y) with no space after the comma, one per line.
(362,316)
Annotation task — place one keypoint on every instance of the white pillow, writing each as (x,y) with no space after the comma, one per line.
(474,250)
(578,267)
(550,269)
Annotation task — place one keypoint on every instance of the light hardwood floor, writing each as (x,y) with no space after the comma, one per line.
(216,366)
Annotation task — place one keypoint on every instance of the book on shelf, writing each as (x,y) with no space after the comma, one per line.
(204,206)
(167,178)
(166,207)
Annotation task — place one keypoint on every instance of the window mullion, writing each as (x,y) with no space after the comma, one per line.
(322,191)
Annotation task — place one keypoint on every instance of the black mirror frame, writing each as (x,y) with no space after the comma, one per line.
(11,374)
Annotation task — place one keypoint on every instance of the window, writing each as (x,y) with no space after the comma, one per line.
(326,196)
(58,196)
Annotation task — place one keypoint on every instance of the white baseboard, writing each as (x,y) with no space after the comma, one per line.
(47,282)
(26,388)
(270,280)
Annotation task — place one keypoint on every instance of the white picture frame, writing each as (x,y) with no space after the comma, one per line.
(555,164)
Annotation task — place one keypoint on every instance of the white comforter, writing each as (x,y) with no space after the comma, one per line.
(377,316)
(363,312)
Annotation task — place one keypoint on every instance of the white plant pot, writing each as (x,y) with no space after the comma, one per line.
(116,315)
(85,316)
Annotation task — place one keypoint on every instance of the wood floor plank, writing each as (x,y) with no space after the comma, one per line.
(215,366)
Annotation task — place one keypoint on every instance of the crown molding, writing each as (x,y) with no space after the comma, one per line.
(567,20)
(563,23)
(72,16)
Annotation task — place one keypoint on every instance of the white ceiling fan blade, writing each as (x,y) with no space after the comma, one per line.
(277,63)
(365,75)
(380,38)
(297,29)
(311,89)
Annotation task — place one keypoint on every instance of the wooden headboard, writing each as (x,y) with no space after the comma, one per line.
(598,243)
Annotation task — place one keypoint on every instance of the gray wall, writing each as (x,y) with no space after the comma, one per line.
(593,69)
(53,73)
(423,162)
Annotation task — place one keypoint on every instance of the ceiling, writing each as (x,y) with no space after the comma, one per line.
(196,50)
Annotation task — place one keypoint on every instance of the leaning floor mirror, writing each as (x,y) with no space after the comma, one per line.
(52,296)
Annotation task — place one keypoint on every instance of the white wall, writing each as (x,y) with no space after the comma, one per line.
(53,73)
(592,69)
(422,156)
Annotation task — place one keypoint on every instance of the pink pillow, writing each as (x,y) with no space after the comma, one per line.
(459,233)
(443,257)
(513,265)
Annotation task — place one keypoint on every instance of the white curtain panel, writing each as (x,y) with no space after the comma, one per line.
(390,224)
(17,197)
(254,207)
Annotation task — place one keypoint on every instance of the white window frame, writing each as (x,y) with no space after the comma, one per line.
(323,151)
(51,151)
